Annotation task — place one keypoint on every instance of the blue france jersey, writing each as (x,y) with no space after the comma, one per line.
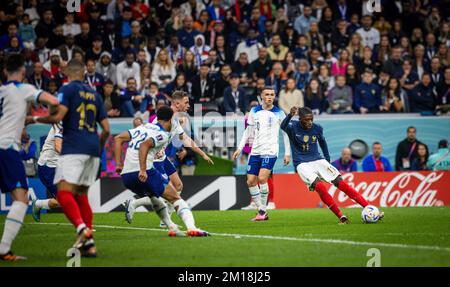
(304,142)
(85,109)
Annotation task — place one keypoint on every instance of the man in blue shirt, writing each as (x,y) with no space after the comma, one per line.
(375,161)
(367,95)
(187,34)
(345,163)
(80,111)
(311,166)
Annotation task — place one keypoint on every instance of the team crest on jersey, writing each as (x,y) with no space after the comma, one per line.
(305,138)
(159,137)
(314,138)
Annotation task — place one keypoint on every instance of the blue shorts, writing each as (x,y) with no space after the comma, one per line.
(154,186)
(12,171)
(256,162)
(47,175)
(166,168)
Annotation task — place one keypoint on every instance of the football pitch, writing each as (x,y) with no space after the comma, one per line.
(309,237)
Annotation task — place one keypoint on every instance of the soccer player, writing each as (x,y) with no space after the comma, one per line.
(14,98)
(264,121)
(47,162)
(180,105)
(309,163)
(81,109)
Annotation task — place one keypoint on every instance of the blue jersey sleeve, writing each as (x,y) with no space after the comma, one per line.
(64,96)
(323,143)
(101,115)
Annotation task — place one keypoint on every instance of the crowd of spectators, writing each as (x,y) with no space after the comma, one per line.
(333,56)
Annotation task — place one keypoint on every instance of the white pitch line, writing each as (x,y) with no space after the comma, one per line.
(314,240)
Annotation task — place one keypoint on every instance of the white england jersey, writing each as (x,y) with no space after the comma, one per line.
(139,135)
(174,135)
(49,156)
(266,128)
(14,97)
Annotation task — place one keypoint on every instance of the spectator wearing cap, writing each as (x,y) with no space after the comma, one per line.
(340,97)
(96,50)
(128,69)
(367,97)
(70,27)
(234,98)
(92,78)
(84,39)
(53,66)
(106,67)
(370,36)
(375,161)
(289,36)
(407,150)
(192,8)
(250,46)
(345,163)
(46,23)
(68,48)
(441,159)
(187,33)
(277,51)
(302,23)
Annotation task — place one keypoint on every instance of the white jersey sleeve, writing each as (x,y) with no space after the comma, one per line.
(30,92)
(49,156)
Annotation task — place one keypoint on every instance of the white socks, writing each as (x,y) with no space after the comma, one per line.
(135,203)
(256,195)
(42,204)
(185,213)
(13,223)
(264,193)
(161,209)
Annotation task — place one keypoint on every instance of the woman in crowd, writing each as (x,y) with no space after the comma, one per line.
(290,96)
(420,163)
(340,66)
(188,67)
(315,98)
(393,97)
(163,69)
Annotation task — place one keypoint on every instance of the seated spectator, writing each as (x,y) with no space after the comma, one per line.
(178,84)
(53,66)
(421,98)
(326,81)
(163,69)
(153,96)
(394,98)
(188,66)
(106,67)
(302,76)
(92,78)
(367,97)
(224,53)
(443,93)
(242,66)
(394,65)
(111,99)
(314,97)
(345,163)
(139,10)
(128,69)
(340,67)
(441,159)
(420,163)
(276,78)
(96,50)
(408,78)
(375,161)
(202,86)
(340,97)
(369,35)
(69,48)
(314,38)
(175,50)
(290,97)
(187,33)
(249,45)
(221,83)
(70,27)
(12,31)
(131,100)
(26,32)
(352,77)
(28,154)
(262,66)
(367,62)
(302,22)
(301,49)
(277,51)
(234,99)
(37,78)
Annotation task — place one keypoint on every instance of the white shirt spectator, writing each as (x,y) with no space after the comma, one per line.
(163,74)
(71,29)
(251,51)
(187,10)
(124,72)
(370,37)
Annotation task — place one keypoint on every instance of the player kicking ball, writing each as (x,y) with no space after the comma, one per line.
(264,122)
(47,162)
(14,99)
(311,166)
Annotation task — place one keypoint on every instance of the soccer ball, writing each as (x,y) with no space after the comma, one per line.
(370,214)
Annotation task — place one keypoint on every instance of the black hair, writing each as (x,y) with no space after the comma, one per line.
(164,113)
(411,127)
(14,62)
(375,143)
(304,111)
(443,144)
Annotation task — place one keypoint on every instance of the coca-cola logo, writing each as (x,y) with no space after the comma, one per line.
(405,189)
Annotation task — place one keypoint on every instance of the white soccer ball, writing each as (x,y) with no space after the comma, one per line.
(370,214)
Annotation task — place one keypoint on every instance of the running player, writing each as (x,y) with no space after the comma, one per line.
(14,98)
(78,165)
(309,163)
(179,105)
(264,121)
(47,162)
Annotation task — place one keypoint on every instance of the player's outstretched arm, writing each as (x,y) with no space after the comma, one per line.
(105,132)
(56,112)
(189,142)
(144,148)
(285,123)
(244,139)
(118,143)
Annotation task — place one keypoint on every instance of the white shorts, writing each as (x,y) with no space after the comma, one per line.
(310,171)
(78,169)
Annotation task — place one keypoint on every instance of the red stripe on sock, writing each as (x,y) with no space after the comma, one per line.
(70,207)
(271,188)
(327,199)
(352,193)
(85,209)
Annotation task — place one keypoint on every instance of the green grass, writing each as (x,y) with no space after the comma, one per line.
(46,245)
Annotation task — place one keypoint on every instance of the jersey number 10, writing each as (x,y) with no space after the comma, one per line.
(84,123)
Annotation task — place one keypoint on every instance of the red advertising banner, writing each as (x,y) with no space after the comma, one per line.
(392,189)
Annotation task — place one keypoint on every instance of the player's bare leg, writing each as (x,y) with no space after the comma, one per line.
(326,198)
(74,203)
(183,211)
(13,223)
